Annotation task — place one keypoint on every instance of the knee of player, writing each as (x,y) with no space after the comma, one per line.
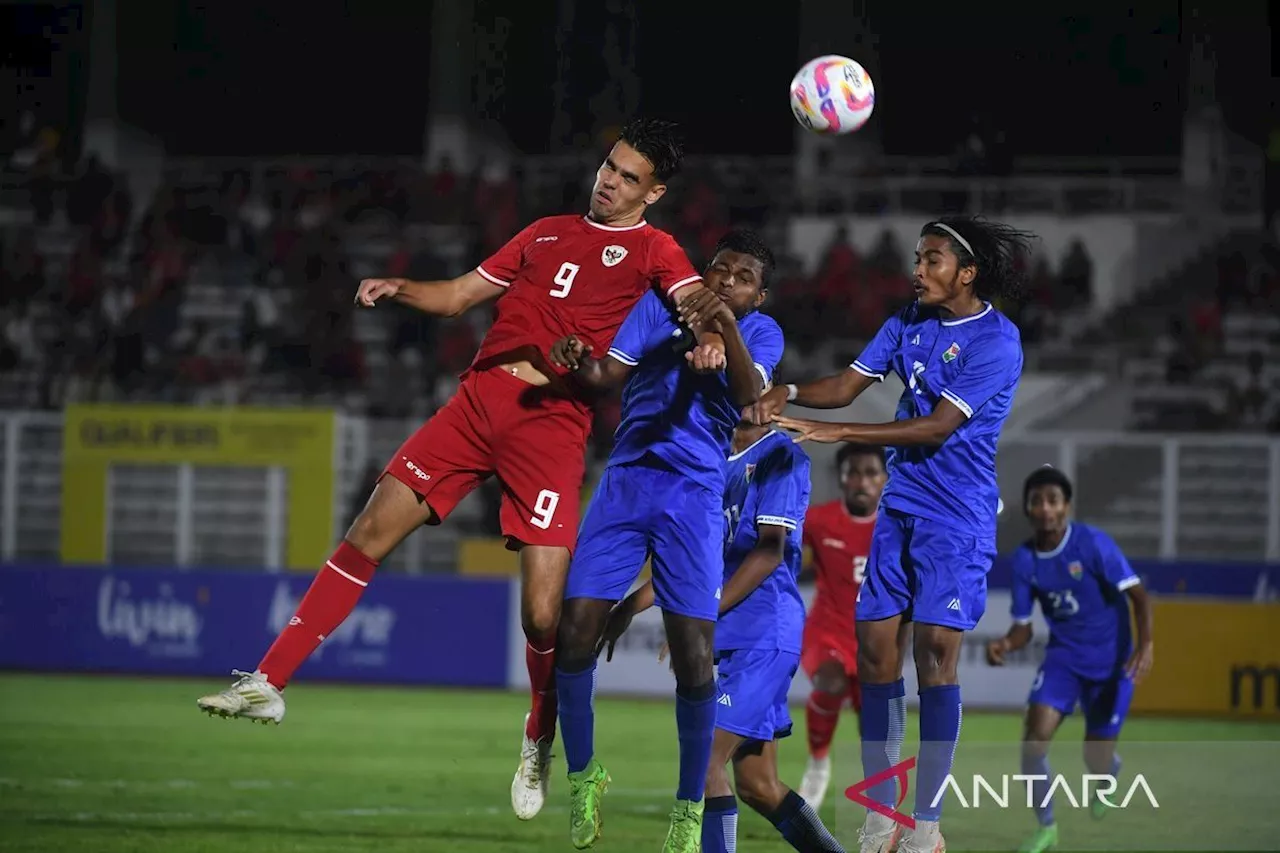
(831,680)
(761,792)
(540,618)
(935,661)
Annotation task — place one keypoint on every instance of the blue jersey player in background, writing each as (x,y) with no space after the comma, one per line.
(934,541)
(1084,586)
(661,497)
(758,640)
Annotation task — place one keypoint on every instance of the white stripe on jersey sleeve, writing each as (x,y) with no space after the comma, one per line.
(682,282)
(490,277)
(1126,583)
(866,371)
(763,374)
(1022,620)
(628,360)
(959,404)
(777,521)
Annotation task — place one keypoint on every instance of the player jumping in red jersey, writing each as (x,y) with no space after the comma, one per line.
(514,416)
(839,535)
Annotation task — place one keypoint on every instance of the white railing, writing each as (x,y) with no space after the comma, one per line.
(1192,496)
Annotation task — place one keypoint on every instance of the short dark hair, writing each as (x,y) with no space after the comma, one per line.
(747,242)
(1046,476)
(996,249)
(658,142)
(850,450)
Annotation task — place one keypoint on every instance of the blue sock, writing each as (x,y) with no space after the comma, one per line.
(884,725)
(577,715)
(1115,765)
(695,727)
(720,825)
(801,827)
(939,732)
(1038,765)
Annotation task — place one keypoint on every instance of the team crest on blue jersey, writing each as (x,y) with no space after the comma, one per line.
(751,469)
(1076,570)
(951,353)
(612,255)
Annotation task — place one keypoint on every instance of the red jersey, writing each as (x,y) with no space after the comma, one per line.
(569,275)
(840,543)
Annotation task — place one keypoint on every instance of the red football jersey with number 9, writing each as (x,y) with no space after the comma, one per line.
(569,275)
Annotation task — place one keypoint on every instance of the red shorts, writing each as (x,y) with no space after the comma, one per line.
(821,644)
(534,440)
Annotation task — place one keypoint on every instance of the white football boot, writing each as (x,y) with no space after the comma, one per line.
(813,786)
(925,838)
(533,776)
(251,697)
(879,834)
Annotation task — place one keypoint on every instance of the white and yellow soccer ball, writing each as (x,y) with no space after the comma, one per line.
(832,95)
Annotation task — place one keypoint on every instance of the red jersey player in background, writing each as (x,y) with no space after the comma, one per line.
(514,416)
(838,533)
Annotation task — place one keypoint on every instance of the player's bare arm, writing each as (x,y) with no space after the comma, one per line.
(745,382)
(601,374)
(929,431)
(692,298)
(830,392)
(449,298)
(1144,652)
(1017,638)
(766,556)
(621,615)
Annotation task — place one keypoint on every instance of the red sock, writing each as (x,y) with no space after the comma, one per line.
(821,714)
(540,658)
(331,598)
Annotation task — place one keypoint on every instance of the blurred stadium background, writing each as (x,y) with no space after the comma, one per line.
(191,411)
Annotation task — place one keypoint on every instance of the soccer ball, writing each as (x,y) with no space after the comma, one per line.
(832,95)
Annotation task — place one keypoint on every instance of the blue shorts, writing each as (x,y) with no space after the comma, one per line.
(926,571)
(1105,701)
(752,686)
(646,510)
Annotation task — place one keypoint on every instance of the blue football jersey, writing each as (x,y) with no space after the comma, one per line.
(973,362)
(768,483)
(682,417)
(1080,586)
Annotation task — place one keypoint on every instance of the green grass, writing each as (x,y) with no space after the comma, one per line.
(110,764)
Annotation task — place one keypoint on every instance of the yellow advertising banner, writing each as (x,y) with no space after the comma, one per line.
(95,437)
(1219,658)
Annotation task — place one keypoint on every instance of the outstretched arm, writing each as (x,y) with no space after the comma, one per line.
(601,374)
(442,298)
(830,392)
(929,431)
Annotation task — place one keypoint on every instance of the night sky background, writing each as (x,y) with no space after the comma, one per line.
(333,77)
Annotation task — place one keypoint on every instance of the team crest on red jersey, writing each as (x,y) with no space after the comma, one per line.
(1076,570)
(612,255)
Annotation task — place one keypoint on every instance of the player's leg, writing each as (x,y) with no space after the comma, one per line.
(823,663)
(688,567)
(720,818)
(883,609)
(755,773)
(611,550)
(950,593)
(439,464)
(1106,705)
(760,680)
(1053,695)
(539,446)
